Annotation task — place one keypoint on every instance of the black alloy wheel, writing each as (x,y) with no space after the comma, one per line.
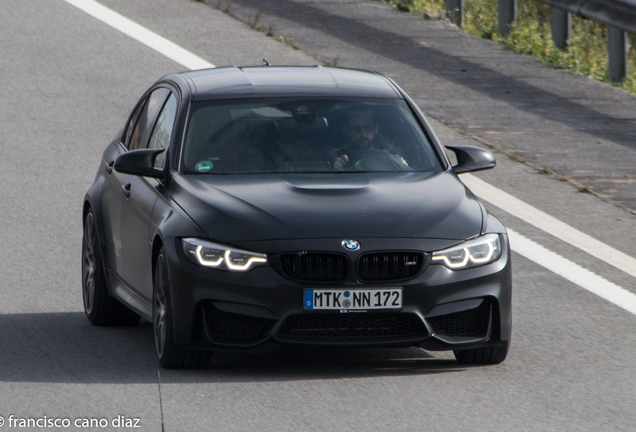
(170,354)
(89,265)
(100,308)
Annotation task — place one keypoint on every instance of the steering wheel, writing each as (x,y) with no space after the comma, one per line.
(377,160)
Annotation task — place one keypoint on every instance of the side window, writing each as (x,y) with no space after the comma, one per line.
(147,115)
(133,123)
(160,138)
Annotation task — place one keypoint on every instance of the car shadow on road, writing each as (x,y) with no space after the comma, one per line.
(64,347)
(290,364)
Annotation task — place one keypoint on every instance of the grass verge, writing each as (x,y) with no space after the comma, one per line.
(586,53)
(255,23)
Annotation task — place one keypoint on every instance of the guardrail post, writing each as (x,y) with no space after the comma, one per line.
(617,49)
(560,27)
(455,11)
(507,15)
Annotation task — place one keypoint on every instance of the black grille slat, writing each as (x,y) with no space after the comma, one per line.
(329,326)
(315,267)
(389,266)
(473,322)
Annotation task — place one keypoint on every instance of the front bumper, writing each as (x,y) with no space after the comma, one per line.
(441,309)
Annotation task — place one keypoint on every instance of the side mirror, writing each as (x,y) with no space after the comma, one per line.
(139,163)
(471,159)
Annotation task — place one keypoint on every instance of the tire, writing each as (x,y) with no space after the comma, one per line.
(170,354)
(483,356)
(100,308)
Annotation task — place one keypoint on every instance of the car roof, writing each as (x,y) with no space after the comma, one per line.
(287,81)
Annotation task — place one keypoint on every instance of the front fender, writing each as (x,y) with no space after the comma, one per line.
(93,202)
(170,223)
(93,199)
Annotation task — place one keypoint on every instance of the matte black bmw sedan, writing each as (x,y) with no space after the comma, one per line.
(248,208)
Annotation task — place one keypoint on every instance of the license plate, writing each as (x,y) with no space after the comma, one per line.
(337,299)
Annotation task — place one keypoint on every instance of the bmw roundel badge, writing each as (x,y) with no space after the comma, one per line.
(350,245)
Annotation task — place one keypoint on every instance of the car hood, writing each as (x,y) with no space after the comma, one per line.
(237,208)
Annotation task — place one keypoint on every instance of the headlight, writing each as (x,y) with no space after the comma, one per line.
(221,257)
(472,253)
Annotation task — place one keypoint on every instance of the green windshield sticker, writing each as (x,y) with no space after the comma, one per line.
(204,166)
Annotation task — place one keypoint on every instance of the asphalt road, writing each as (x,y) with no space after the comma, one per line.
(68,84)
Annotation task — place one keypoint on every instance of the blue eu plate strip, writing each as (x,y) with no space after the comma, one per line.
(309,299)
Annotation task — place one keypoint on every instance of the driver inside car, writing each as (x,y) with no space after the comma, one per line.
(361,130)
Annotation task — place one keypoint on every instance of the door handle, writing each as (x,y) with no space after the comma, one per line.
(109,166)
(126,189)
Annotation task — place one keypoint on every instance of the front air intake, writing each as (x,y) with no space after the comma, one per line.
(473,322)
(352,326)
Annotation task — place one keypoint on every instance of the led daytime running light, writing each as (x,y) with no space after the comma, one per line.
(205,262)
(450,264)
(491,251)
(243,267)
(218,256)
(490,240)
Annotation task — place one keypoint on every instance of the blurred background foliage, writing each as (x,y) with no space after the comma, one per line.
(586,53)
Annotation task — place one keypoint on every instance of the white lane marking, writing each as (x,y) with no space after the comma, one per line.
(520,244)
(141,34)
(550,224)
(573,272)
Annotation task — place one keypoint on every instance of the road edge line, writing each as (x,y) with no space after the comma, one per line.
(550,224)
(141,34)
(573,272)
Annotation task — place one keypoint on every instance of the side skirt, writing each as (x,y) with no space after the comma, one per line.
(128,296)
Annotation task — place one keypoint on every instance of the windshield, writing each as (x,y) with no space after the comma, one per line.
(303,135)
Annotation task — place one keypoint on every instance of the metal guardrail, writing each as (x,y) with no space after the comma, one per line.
(619,15)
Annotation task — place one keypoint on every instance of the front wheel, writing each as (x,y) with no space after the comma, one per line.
(170,354)
(483,356)
(101,309)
